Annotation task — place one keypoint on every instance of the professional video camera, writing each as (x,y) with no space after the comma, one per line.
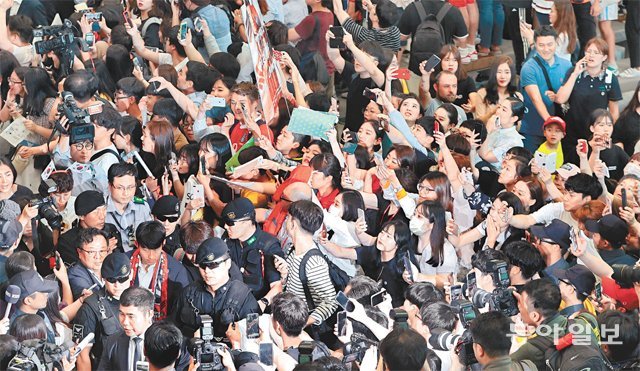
(38,355)
(356,348)
(61,37)
(47,208)
(203,350)
(464,349)
(625,275)
(501,299)
(69,109)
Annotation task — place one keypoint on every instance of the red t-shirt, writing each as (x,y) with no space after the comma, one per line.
(315,42)
(239,136)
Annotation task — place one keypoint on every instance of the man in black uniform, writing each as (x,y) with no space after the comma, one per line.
(166,210)
(225,300)
(99,313)
(252,250)
(91,211)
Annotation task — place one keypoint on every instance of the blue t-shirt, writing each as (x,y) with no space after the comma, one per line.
(532,74)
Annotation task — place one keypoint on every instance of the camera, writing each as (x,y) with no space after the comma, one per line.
(69,109)
(466,311)
(625,275)
(499,272)
(61,37)
(464,349)
(38,355)
(444,340)
(501,300)
(47,211)
(356,348)
(399,318)
(203,350)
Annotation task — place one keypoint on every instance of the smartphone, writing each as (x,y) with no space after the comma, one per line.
(583,145)
(573,238)
(93,17)
(266,353)
(432,63)
(498,123)
(90,38)
(78,333)
(197,24)
(369,94)
(471,283)
(378,297)
(215,101)
(436,126)
(456,292)
(350,148)
(203,165)
(253,327)
(403,74)
(336,43)
(344,302)
(623,195)
(342,322)
(127,18)
(598,290)
(337,31)
(183,30)
(198,191)
(153,87)
(361,214)
(407,266)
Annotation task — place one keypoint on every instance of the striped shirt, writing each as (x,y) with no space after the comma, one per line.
(319,285)
(386,37)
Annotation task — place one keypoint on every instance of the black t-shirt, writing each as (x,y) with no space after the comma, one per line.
(627,131)
(452,24)
(22,195)
(616,159)
(357,102)
(388,273)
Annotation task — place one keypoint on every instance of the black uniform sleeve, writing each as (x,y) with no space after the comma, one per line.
(250,305)
(271,274)
(86,317)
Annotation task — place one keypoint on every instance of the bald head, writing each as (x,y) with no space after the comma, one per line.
(297,192)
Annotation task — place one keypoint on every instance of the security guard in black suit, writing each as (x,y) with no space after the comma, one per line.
(252,250)
(99,313)
(225,300)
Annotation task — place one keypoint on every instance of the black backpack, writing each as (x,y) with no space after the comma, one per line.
(429,37)
(575,357)
(339,278)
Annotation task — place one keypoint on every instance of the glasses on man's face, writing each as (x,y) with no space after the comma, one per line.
(125,189)
(87,145)
(212,265)
(117,279)
(96,253)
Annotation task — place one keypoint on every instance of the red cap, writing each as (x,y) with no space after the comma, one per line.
(555,120)
(625,297)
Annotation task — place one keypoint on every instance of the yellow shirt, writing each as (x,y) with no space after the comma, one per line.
(547,151)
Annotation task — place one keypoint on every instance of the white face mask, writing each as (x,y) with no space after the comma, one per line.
(632,168)
(418,226)
(335,211)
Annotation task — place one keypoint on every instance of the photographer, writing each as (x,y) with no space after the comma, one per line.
(525,262)
(99,313)
(481,265)
(419,295)
(91,211)
(435,322)
(576,285)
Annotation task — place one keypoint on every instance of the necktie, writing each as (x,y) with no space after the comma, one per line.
(136,353)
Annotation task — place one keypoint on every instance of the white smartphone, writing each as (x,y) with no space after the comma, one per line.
(215,101)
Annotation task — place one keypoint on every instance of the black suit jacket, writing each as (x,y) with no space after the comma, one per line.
(115,354)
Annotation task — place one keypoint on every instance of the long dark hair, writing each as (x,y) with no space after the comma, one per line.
(328,164)
(633,105)
(401,235)
(8,63)
(351,202)
(218,144)
(106,84)
(119,62)
(162,134)
(160,9)
(434,211)
(492,84)
(52,310)
(38,87)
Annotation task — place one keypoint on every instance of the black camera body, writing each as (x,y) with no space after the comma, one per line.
(464,348)
(38,355)
(61,37)
(69,109)
(203,350)
(625,275)
(47,210)
(399,317)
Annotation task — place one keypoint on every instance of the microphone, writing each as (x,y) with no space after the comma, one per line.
(11,296)
(87,339)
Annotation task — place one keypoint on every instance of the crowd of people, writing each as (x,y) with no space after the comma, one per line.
(167,200)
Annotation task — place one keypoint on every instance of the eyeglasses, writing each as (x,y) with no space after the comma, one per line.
(125,189)
(213,265)
(233,222)
(170,219)
(123,97)
(15,82)
(592,52)
(95,253)
(81,146)
(118,279)
(425,188)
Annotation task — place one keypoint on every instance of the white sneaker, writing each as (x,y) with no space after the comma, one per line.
(630,73)
(474,54)
(465,55)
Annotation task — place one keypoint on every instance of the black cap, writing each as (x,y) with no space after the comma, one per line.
(88,201)
(580,277)
(611,228)
(240,208)
(166,206)
(556,231)
(116,265)
(29,282)
(211,250)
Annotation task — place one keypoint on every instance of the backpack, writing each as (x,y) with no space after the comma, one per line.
(312,66)
(429,37)
(339,278)
(575,357)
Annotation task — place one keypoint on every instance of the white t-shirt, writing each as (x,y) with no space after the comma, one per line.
(24,54)
(448,265)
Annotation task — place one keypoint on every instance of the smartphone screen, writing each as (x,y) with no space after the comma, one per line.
(183,31)
(361,214)
(456,292)
(378,297)
(623,194)
(343,301)
(203,165)
(407,266)
(78,333)
(342,321)
(598,290)
(471,282)
(432,62)
(266,353)
(253,327)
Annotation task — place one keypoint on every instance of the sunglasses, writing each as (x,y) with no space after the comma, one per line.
(119,280)
(231,223)
(213,265)
(170,219)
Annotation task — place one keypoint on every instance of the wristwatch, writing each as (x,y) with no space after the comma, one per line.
(264,301)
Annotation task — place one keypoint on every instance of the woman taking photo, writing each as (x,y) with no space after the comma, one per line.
(589,86)
(157,140)
(188,164)
(451,61)
(502,83)
(216,151)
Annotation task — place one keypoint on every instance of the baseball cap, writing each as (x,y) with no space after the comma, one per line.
(31,282)
(166,206)
(211,250)
(555,120)
(115,265)
(611,228)
(568,170)
(556,231)
(580,277)
(88,201)
(626,298)
(9,232)
(238,209)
